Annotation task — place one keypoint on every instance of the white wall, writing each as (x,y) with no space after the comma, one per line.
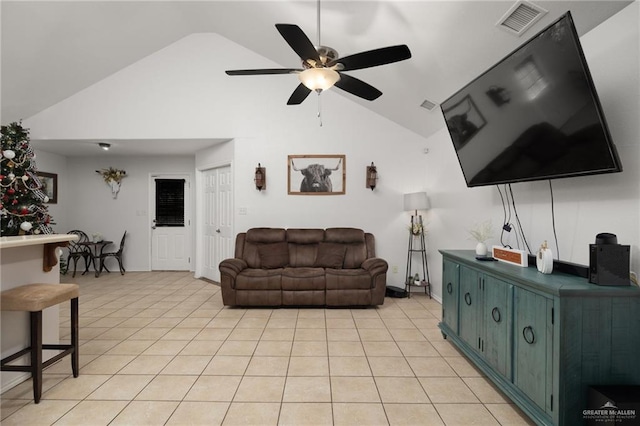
(584,206)
(160,97)
(92,208)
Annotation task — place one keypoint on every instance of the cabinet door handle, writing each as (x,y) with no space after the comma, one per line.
(449,288)
(528,335)
(467,298)
(495,314)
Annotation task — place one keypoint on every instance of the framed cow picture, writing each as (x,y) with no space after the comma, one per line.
(316,174)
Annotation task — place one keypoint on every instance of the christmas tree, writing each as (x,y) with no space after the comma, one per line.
(22,207)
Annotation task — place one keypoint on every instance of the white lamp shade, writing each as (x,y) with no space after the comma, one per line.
(319,78)
(416,201)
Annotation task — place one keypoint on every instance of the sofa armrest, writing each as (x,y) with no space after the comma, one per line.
(231,268)
(375,266)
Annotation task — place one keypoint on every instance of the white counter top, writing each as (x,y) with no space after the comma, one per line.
(31,240)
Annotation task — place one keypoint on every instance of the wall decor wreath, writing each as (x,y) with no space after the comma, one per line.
(113,178)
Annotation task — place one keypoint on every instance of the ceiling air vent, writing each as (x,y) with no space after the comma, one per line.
(428,105)
(520,17)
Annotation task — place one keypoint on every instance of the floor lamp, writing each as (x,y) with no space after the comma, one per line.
(413,202)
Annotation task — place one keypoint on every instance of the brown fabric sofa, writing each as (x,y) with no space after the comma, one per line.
(304,267)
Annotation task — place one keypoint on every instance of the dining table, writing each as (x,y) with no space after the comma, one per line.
(95,251)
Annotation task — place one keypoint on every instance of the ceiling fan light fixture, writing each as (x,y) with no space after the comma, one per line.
(319,79)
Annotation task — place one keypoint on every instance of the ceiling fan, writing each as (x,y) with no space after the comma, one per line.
(322,68)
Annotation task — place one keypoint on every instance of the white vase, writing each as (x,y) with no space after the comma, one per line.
(481,249)
(544,259)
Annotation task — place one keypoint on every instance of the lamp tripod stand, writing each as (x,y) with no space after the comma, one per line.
(419,248)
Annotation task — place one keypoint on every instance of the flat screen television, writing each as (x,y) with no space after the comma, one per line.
(535,115)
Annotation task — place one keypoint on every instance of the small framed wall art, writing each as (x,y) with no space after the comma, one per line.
(49,182)
(316,174)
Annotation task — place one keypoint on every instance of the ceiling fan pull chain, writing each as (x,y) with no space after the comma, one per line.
(319,110)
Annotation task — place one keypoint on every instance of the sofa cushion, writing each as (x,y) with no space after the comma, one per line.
(302,255)
(354,279)
(256,237)
(274,255)
(259,279)
(305,236)
(303,279)
(266,235)
(303,246)
(354,241)
(344,235)
(330,255)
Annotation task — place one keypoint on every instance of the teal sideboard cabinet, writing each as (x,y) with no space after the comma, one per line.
(542,339)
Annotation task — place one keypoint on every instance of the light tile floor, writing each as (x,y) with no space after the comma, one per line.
(160,348)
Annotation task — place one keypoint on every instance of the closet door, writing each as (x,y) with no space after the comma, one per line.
(218,242)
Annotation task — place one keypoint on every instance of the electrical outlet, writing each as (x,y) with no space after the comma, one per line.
(394,269)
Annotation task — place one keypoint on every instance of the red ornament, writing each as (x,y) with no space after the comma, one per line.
(24,210)
(11,191)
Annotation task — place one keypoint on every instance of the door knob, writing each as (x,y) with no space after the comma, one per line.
(218,230)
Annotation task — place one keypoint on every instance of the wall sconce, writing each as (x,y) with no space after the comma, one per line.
(372,176)
(260,178)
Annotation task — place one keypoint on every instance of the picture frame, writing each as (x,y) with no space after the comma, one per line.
(49,182)
(464,121)
(316,174)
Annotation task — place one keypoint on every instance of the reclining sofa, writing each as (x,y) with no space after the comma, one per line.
(304,267)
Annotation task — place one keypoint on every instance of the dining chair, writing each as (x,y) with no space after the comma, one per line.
(77,252)
(116,254)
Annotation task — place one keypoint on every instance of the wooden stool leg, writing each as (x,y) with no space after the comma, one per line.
(36,354)
(75,356)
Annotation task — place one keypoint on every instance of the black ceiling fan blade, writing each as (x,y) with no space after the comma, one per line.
(299,42)
(299,95)
(373,58)
(358,87)
(264,71)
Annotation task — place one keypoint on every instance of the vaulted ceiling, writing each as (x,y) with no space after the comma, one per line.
(53,49)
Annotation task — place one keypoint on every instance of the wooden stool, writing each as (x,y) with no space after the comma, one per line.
(35,298)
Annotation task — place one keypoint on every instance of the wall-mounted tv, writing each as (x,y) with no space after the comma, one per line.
(535,115)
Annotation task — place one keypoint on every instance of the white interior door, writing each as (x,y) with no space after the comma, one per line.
(218,241)
(170,223)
